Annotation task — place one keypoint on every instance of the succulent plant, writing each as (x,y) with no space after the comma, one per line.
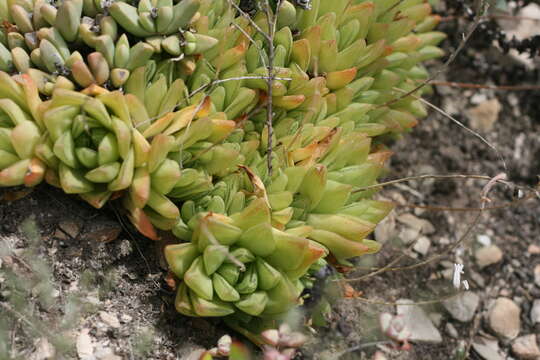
(164,104)
(21,129)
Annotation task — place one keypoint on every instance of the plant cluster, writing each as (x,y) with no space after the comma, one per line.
(250,138)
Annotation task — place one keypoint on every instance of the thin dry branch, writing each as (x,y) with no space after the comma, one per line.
(483,8)
(245,15)
(271,20)
(460,124)
(482,86)
(483,201)
(418,303)
(429,176)
(493,16)
(465,209)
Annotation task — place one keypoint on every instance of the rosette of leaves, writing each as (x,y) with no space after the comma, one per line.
(236,262)
(92,145)
(21,129)
(352,60)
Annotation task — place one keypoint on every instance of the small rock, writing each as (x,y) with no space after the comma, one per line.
(92,299)
(477,278)
(105,353)
(44,350)
(463,307)
(448,274)
(102,231)
(379,355)
(416,223)
(535,312)
(110,357)
(521,30)
(418,323)
(484,240)
(488,255)
(534,249)
(386,230)
(109,319)
(487,349)
(451,330)
(60,235)
(537,275)
(196,354)
(397,197)
(525,347)
(503,317)
(85,348)
(436,318)
(422,245)
(484,115)
(71,228)
(478,98)
(408,235)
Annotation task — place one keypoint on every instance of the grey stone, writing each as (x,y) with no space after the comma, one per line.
(408,235)
(109,319)
(463,306)
(44,350)
(451,330)
(85,346)
(418,323)
(488,255)
(537,275)
(71,228)
(421,225)
(535,312)
(386,230)
(525,347)
(436,318)
(422,245)
(487,349)
(484,240)
(522,30)
(477,278)
(503,318)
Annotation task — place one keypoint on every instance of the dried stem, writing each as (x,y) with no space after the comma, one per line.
(460,124)
(245,15)
(206,86)
(482,86)
(422,177)
(483,7)
(418,303)
(483,201)
(494,16)
(271,20)
(459,209)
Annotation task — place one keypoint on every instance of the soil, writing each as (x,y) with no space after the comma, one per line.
(123,277)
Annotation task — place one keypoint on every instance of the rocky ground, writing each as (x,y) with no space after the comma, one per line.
(89,288)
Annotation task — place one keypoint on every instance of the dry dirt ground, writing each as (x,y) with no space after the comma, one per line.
(107,299)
